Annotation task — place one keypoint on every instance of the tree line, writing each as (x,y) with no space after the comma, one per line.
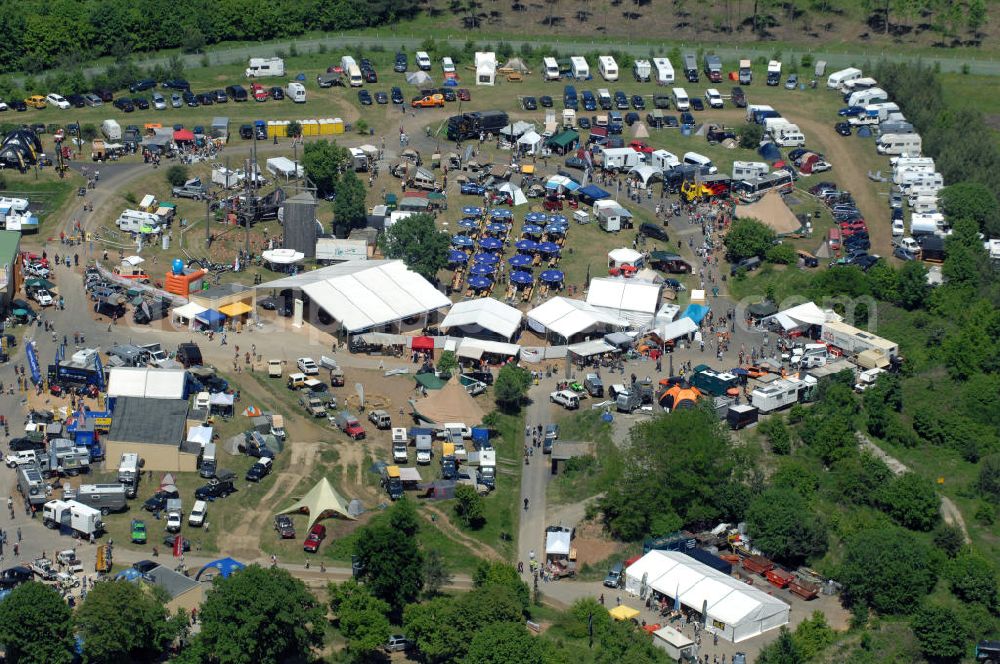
(44,34)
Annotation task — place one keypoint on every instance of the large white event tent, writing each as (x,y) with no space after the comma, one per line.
(632,299)
(474,317)
(362,295)
(569,318)
(731,608)
(147,383)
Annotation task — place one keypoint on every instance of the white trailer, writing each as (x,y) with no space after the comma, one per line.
(776,395)
(924,204)
(837,79)
(772,125)
(608,68)
(927,224)
(678,647)
(862,83)
(663,160)
(550,69)
(664,71)
(621,158)
(865,97)
(70,514)
(260,67)
(744,170)
(881,109)
(908,144)
(579,68)
(915,179)
(641,70)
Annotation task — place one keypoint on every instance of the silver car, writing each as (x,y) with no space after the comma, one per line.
(92,100)
(159,103)
(176,101)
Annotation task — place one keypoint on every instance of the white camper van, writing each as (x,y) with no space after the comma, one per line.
(695,159)
(681,100)
(789,136)
(111,130)
(835,80)
(579,67)
(423,61)
(447,65)
(745,170)
(865,97)
(260,67)
(550,69)
(296,92)
(663,161)
(608,68)
(133,221)
(908,144)
(664,71)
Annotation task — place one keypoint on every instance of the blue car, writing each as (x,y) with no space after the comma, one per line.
(851,111)
(473,189)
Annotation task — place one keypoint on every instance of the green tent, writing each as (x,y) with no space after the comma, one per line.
(564,139)
(429,381)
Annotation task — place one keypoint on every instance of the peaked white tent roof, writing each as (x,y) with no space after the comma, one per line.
(322,501)
(632,299)
(189,310)
(645,172)
(531,138)
(147,383)
(742,610)
(676,329)
(199,434)
(515,193)
(807,313)
(485,312)
(557,543)
(624,255)
(518,128)
(568,317)
(366,294)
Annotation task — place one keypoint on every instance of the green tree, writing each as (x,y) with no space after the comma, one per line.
(974,201)
(911,502)
(294,129)
(469,507)
(324,161)
(777,434)
(966,259)
(884,281)
(784,527)
(349,209)
(781,254)
(511,387)
(912,287)
(258,616)
(886,569)
(781,651)
(36,626)
(502,643)
(177,175)
(750,136)
(941,634)
(989,477)
(392,563)
(812,636)
(973,578)
(434,630)
(123,622)
(747,237)
(447,362)
(492,573)
(437,575)
(949,539)
(361,617)
(418,243)
(975,15)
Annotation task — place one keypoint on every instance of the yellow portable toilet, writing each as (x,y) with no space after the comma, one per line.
(310,127)
(338,126)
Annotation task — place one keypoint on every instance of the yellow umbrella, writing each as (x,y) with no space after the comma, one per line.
(623,612)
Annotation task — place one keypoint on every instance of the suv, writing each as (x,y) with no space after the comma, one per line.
(217,488)
(260,470)
(158,501)
(142,86)
(615,574)
(313,404)
(654,231)
(400,64)
(307,366)
(738,97)
(283,524)
(397,643)
(190,189)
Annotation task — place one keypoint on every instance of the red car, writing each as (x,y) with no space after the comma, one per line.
(639,146)
(258,92)
(316,536)
(463,94)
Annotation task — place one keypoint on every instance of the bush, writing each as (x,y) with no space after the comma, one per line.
(750,136)
(781,254)
(469,507)
(777,434)
(177,175)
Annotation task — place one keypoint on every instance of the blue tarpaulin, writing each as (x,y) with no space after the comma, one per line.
(695,312)
(593,193)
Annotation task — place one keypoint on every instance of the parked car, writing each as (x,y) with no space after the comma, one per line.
(697,104)
(307,366)
(381,98)
(92,100)
(141,103)
(851,111)
(138,531)
(398,643)
(315,537)
(277,94)
(464,94)
(142,86)
(583,122)
(36,101)
(615,575)
(159,102)
(792,82)
(284,526)
(205,98)
(529,103)
(397,95)
(170,540)
(671,121)
(843,128)
(76,101)
(621,100)
(545,101)
(365,97)
(661,102)
(738,97)
(217,488)
(176,101)
(400,64)
(473,189)
(638,103)
(176,84)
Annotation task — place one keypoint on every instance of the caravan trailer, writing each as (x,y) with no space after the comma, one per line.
(259,67)
(641,70)
(865,97)
(579,68)
(908,144)
(744,170)
(776,395)
(608,68)
(664,71)
(550,69)
(837,79)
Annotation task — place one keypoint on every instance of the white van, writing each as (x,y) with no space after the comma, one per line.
(423,61)
(353,74)
(579,67)
(713,98)
(908,144)
(695,159)
(111,130)
(346,62)
(681,100)
(447,65)
(838,78)
(128,467)
(296,92)
(608,68)
(789,136)
(664,71)
(198,514)
(550,69)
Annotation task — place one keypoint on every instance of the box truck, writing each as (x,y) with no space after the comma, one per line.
(104,497)
(70,514)
(259,67)
(664,71)
(746,73)
(774,72)
(690,67)
(713,68)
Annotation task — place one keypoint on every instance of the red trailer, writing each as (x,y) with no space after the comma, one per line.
(757,565)
(806,591)
(779,577)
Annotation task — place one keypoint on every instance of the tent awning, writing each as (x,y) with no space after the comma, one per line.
(481,346)
(321,501)
(676,329)
(557,543)
(236,309)
(593,192)
(564,139)
(200,434)
(622,612)
(592,347)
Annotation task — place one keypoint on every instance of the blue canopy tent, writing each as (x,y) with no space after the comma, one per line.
(552,276)
(468,223)
(556,229)
(480,282)
(472,210)
(482,269)
(455,256)
(491,244)
(696,312)
(592,193)
(557,219)
(534,217)
(462,241)
(521,277)
(526,246)
(489,259)
(531,229)
(130,574)
(520,260)
(211,319)
(224,567)
(501,213)
(548,247)
(496,229)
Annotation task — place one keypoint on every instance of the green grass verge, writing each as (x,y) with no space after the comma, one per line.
(585,477)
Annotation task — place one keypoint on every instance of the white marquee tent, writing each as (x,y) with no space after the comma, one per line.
(568,318)
(148,383)
(731,608)
(624,256)
(631,299)
(283,166)
(531,142)
(365,294)
(188,312)
(483,313)
(802,315)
